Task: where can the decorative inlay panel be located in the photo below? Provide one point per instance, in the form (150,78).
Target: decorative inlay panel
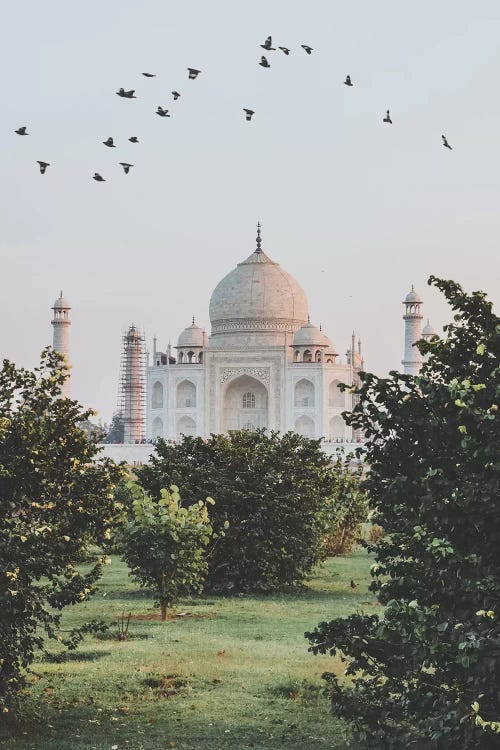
(260,373)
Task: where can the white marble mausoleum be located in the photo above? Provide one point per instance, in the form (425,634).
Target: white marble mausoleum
(264,364)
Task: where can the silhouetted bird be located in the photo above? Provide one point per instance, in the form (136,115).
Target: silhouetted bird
(149,75)
(268,44)
(21,131)
(97,177)
(348,81)
(176,95)
(162,112)
(387,117)
(445,143)
(264,62)
(126,94)
(193,73)
(126,167)
(134,139)
(285,50)
(109,142)
(248,113)
(353,585)
(307,48)
(43,166)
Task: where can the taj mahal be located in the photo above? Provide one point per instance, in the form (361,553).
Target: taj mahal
(264,364)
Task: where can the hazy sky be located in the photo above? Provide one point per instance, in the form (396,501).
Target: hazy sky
(356,210)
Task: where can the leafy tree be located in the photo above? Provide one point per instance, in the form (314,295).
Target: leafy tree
(427,673)
(116,430)
(346,509)
(164,545)
(54,498)
(269,487)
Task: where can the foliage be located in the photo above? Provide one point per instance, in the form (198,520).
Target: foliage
(346,509)
(427,674)
(376,533)
(54,499)
(269,487)
(116,430)
(164,546)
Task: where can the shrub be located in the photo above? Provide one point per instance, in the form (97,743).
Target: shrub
(269,487)
(427,673)
(55,499)
(164,545)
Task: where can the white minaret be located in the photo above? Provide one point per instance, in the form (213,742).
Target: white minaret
(412,361)
(60,343)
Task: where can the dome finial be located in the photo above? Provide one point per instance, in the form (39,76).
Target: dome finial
(193,321)
(259,241)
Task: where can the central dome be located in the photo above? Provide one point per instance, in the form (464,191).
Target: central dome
(258,301)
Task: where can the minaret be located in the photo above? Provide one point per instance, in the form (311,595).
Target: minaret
(412,361)
(60,342)
(132,389)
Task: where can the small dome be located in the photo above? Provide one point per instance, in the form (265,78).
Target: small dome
(192,336)
(310,335)
(428,330)
(61,303)
(412,297)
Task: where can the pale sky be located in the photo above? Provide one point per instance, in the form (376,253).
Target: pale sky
(356,210)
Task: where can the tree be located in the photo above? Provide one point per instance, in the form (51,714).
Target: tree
(346,509)
(271,488)
(427,673)
(116,430)
(55,497)
(164,545)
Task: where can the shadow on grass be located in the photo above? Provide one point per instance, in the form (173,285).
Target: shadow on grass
(66,656)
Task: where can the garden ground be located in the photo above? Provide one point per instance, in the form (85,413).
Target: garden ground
(225,673)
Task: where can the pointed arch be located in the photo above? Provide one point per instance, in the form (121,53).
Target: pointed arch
(304,393)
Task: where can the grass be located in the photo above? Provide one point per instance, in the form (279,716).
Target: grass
(233,673)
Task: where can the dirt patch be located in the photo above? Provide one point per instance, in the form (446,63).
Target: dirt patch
(156,616)
(166,686)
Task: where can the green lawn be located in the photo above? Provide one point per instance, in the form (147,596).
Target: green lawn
(233,673)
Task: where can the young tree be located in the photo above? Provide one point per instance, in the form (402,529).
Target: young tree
(164,545)
(54,499)
(346,510)
(271,488)
(427,673)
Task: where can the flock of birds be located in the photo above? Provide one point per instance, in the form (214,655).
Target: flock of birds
(193,73)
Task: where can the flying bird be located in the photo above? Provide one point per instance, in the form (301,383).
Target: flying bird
(285,50)
(445,143)
(149,75)
(109,142)
(264,62)
(248,114)
(43,166)
(134,139)
(97,177)
(268,44)
(21,131)
(126,167)
(348,81)
(176,95)
(126,94)
(307,48)
(193,73)
(162,112)
(387,117)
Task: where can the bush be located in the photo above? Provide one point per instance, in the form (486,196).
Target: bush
(55,499)
(164,544)
(271,489)
(427,673)
(346,510)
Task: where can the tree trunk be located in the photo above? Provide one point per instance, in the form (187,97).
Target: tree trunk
(163,611)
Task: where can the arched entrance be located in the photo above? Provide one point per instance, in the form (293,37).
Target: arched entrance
(305,426)
(244,403)
(157,428)
(186,426)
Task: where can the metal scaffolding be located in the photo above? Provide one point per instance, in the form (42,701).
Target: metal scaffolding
(132,402)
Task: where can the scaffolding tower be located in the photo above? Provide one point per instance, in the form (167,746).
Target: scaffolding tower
(132,401)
